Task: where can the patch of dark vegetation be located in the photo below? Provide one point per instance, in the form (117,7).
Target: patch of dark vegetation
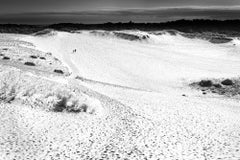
(219,40)
(63,105)
(7,92)
(122,35)
(217,85)
(1,54)
(29,64)
(80,78)
(20,28)
(5,49)
(230,28)
(130,37)
(45,32)
(6,58)
(172,32)
(216,38)
(43,58)
(227,82)
(58,71)
(145,37)
(100,33)
(34,57)
(205,83)
(7,98)
(227,87)
(56,59)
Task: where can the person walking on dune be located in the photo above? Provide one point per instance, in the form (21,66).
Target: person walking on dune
(75,50)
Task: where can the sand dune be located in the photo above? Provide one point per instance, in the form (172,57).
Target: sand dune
(140,85)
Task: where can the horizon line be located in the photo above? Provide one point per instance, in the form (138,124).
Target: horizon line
(122,22)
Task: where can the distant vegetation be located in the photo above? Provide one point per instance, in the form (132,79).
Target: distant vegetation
(229,27)
(21,29)
(130,37)
(226,87)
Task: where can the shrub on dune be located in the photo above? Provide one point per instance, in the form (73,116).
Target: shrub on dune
(65,101)
(6,58)
(29,64)
(8,87)
(58,71)
(34,57)
(7,93)
(217,85)
(227,82)
(45,95)
(45,32)
(226,87)
(43,58)
(205,83)
(61,105)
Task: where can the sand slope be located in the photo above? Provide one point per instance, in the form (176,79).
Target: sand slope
(140,85)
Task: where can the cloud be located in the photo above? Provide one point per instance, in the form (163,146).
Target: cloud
(137,15)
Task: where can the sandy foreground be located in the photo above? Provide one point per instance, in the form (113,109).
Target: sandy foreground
(140,86)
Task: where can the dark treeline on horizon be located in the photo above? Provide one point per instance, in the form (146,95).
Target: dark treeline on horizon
(198,25)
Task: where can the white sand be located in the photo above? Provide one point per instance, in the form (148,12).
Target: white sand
(158,123)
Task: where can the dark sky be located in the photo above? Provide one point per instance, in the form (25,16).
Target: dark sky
(13,6)
(95,11)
